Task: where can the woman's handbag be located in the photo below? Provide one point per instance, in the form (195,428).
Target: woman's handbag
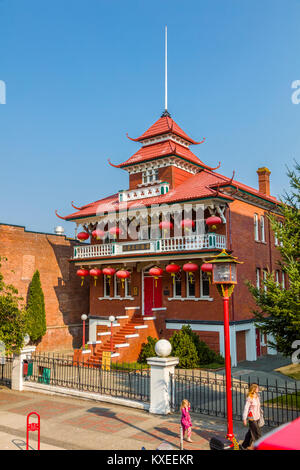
(261,421)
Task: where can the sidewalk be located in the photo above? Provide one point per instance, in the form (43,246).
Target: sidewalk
(77,424)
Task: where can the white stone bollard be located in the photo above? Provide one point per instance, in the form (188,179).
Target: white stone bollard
(17,367)
(160,378)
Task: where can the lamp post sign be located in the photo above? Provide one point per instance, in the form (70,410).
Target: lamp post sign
(224,277)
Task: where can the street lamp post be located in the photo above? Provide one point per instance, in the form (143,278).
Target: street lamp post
(111,319)
(224,277)
(83,318)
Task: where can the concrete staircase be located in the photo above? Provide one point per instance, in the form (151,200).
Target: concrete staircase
(129,332)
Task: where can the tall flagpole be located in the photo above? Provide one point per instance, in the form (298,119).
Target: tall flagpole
(166,68)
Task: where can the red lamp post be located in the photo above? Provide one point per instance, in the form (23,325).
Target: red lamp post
(83,318)
(224,276)
(111,319)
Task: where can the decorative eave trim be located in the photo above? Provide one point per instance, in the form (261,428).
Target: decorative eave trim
(92,218)
(146,257)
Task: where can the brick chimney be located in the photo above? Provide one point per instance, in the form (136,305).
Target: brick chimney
(264,180)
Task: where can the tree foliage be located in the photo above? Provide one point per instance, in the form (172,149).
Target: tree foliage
(12,317)
(205,354)
(35,311)
(147,350)
(184,348)
(279,308)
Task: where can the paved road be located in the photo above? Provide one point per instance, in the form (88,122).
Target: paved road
(78,424)
(263,370)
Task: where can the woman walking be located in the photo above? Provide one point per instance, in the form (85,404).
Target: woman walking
(252,413)
(186,422)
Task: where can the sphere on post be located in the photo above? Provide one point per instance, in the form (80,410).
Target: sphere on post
(163,348)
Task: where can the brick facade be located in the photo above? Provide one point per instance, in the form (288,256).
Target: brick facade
(65,300)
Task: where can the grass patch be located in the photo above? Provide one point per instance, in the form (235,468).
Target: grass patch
(129,366)
(291,401)
(212,366)
(292,371)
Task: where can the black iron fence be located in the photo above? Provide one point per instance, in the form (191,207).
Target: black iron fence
(119,380)
(206,391)
(6,370)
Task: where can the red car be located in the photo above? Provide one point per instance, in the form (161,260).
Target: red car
(286,437)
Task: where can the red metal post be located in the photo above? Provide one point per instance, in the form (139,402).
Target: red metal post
(230,434)
(111,337)
(33,427)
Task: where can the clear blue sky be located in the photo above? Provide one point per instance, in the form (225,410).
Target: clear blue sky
(80,74)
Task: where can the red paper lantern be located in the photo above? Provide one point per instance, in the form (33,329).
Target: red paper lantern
(109,272)
(187,224)
(213,221)
(95,273)
(173,269)
(115,231)
(165,226)
(207,267)
(82,273)
(190,268)
(82,236)
(98,233)
(156,272)
(123,274)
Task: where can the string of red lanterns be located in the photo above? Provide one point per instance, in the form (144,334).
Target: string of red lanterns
(82,236)
(95,273)
(123,274)
(156,272)
(82,272)
(190,268)
(213,221)
(173,269)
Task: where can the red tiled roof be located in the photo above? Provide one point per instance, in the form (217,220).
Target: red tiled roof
(162,149)
(164,125)
(201,185)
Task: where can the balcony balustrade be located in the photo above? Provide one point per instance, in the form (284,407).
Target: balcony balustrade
(173,244)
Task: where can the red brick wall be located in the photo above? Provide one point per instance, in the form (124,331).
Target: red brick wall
(135,179)
(65,300)
(253,254)
(173,175)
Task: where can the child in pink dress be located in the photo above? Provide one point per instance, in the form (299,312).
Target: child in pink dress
(186,422)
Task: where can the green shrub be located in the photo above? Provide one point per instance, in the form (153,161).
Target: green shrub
(205,354)
(35,310)
(184,348)
(147,350)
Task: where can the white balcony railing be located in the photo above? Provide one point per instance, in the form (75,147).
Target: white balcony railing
(190,243)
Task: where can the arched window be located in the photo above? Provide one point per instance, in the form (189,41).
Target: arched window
(256,237)
(262,229)
(177,286)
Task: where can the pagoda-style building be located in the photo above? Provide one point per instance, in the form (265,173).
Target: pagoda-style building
(142,249)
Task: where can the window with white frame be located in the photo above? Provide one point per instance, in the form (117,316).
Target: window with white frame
(258,278)
(276,238)
(262,229)
(265,278)
(190,285)
(117,286)
(277,277)
(282,280)
(150,175)
(106,286)
(128,287)
(204,284)
(177,285)
(256,234)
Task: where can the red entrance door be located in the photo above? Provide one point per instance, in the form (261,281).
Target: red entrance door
(152,294)
(258,348)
